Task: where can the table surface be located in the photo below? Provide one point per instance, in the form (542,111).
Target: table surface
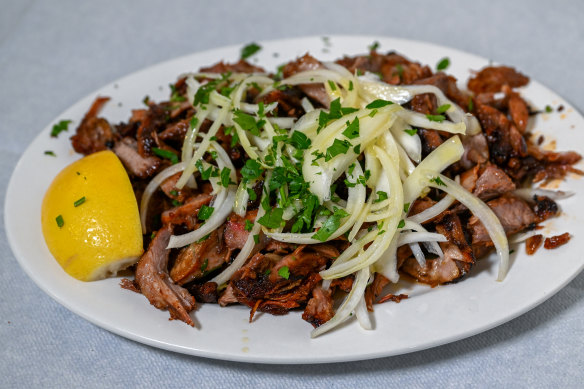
(54,53)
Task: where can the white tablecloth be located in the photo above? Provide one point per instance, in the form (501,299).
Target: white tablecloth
(52,53)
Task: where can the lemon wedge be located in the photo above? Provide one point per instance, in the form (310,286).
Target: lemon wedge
(90,218)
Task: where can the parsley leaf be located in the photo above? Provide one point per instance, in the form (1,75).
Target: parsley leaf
(79,202)
(438,181)
(374,46)
(249,50)
(225,177)
(381,195)
(338,147)
(330,225)
(166,154)
(443,64)
(251,170)
(300,140)
(58,128)
(443,108)
(411,131)
(248,122)
(401,224)
(378,104)
(284,272)
(205,212)
(248,225)
(51,153)
(60,221)
(436,118)
(406,207)
(352,130)
(272,218)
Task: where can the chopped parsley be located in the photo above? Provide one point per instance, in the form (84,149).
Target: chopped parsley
(350,86)
(251,170)
(379,103)
(248,225)
(272,218)
(401,224)
(338,147)
(381,195)
(175,97)
(60,221)
(79,202)
(549,109)
(443,64)
(352,130)
(284,272)
(330,225)
(256,238)
(438,181)
(248,122)
(470,104)
(357,149)
(252,194)
(300,141)
(166,154)
(374,46)
(443,108)
(225,177)
(411,131)
(58,128)
(205,212)
(435,118)
(406,207)
(249,50)
(332,85)
(51,153)
(204,264)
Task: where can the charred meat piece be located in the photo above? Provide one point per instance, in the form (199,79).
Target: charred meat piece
(154,282)
(457,260)
(514,214)
(169,188)
(476,150)
(137,165)
(319,308)
(533,243)
(187,213)
(199,258)
(93,134)
(544,208)
(556,241)
(205,293)
(492,79)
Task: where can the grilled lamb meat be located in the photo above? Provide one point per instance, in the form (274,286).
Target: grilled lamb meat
(319,308)
(93,134)
(154,282)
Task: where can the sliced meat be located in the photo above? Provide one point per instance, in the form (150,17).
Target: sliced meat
(514,214)
(300,263)
(228,297)
(446,84)
(519,112)
(175,132)
(154,282)
(235,233)
(492,182)
(187,213)
(457,261)
(135,164)
(169,188)
(492,79)
(289,102)
(199,258)
(316,92)
(476,150)
(319,308)
(93,134)
(469,178)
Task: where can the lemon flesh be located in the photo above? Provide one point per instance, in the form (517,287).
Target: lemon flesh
(90,218)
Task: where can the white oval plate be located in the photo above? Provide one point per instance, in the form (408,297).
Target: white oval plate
(430,317)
